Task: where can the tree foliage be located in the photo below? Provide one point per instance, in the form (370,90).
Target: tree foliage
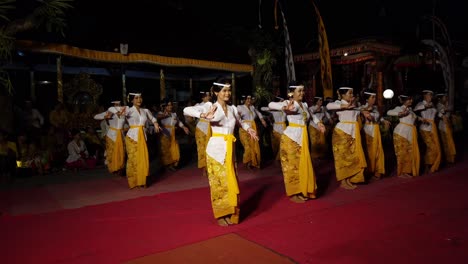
(47,13)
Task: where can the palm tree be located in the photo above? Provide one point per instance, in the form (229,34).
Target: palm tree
(48,13)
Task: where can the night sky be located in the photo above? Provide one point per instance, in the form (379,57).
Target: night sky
(221,30)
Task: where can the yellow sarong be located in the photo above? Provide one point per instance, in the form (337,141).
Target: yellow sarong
(137,160)
(276,139)
(350,160)
(448,143)
(202,140)
(251,146)
(375,153)
(433,153)
(170,154)
(408,157)
(317,143)
(301,177)
(115,153)
(224,187)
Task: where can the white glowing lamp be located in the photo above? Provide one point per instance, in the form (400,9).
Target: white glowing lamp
(388,94)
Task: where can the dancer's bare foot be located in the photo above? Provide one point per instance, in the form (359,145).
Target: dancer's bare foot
(405,176)
(296,199)
(222,222)
(228,220)
(345,184)
(302,197)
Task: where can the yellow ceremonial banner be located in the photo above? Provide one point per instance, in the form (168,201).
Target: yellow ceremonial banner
(325,61)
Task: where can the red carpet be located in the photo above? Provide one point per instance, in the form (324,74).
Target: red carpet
(225,249)
(391,221)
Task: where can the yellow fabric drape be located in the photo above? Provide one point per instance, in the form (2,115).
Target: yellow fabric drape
(350,160)
(318,143)
(305,164)
(116,159)
(448,143)
(276,139)
(233,187)
(252,151)
(375,152)
(142,158)
(415,149)
(202,141)
(173,149)
(62,49)
(435,137)
(357,135)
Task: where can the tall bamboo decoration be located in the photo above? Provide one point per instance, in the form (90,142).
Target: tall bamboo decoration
(162,84)
(325,61)
(59,80)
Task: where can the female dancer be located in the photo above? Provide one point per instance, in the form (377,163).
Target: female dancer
(375,153)
(299,176)
(248,114)
(220,152)
(317,139)
(170,153)
(135,141)
(428,131)
(405,139)
(115,152)
(445,128)
(350,161)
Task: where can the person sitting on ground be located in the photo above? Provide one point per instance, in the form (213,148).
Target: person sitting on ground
(78,156)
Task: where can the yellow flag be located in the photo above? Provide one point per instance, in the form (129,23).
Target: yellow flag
(325,62)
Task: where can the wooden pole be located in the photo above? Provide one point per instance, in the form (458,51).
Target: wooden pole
(59,80)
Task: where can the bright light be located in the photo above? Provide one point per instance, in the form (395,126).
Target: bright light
(388,94)
(345,54)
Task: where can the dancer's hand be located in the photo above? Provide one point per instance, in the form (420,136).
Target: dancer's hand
(210,114)
(186,130)
(157,128)
(252,133)
(289,108)
(321,127)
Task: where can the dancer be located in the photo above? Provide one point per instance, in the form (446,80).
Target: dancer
(445,128)
(135,141)
(405,139)
(298,173)
(375,153)
(170,152)
(350,161)
(220,152)
(428,131)
(248,114)
(317,138)
(115,151)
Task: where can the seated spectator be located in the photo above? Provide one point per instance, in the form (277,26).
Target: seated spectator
(78,156)
(8,152)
